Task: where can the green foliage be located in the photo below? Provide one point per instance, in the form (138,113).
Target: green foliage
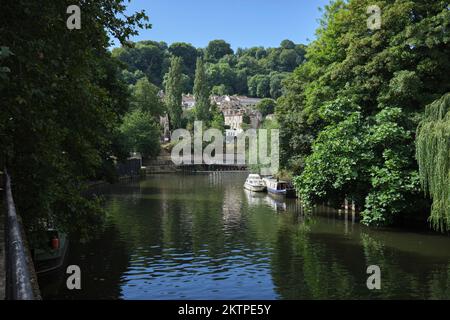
(173,92)
(348,114)
(276,83)
(365,160)
(62,98)
(266,106)
(216,50)
(201,93)
(132,77)
(287,44)
(433,155)
(221,75)
(141,133)
(149,57)
(259,86)
(228,73)
(145,98)
(221,90)
(217,119)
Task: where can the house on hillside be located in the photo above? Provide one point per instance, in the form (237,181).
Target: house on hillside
(187,101)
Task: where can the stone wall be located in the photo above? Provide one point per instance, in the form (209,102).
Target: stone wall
(2,243)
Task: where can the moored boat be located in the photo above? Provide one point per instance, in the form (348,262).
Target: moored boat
(51,256)
(254,183)
(279,187)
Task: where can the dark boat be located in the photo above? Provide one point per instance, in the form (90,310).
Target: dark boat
(279,187)
(51,257)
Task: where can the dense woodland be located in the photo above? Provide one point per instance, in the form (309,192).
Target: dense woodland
(364,115)
(62,103)
(350,113)
(257,71)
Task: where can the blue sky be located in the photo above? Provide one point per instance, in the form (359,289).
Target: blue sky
(242,23)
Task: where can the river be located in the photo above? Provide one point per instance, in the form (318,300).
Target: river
(203,237)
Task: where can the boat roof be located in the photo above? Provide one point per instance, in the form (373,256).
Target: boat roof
(275,180)
(254,176)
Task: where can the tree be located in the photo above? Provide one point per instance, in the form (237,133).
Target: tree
(288,60)
(433,155)
(276,84)
(378,81)
(188,54)
(217,118)
(147,56)
(62,99)
(227,73)
(287,44)
(201,93)
(217,49)
(132,77)
(145,98)
(141,133)
(266,106)
(173,93)
(221,74)
(259,86)
(221,90)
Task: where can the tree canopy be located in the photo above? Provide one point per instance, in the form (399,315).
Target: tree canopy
(433,155)
(348,115)
(173,93)
(228,72)
(62,99)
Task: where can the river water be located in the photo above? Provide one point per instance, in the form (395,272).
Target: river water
(203,236)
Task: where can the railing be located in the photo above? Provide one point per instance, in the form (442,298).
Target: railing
(19,267)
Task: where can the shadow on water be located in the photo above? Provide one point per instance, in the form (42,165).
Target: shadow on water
(203,237)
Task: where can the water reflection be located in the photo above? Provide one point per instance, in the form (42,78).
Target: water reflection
(204,237)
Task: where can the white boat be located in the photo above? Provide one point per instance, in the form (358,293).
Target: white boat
(254,183)
(279,187)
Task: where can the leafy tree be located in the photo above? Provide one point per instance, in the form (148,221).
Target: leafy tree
(217,119)
(201,93)
(147,56)
(377,81)
(288,60)
(132,77)
(228,73)
(249,65)
(141,133)
(259,86)
(173,93)
(62,98)
(287,44)
(266,106)
(276,84)
(145,98)
(188,54)
(221,74)
(221,90)
(217,49)
(433,155)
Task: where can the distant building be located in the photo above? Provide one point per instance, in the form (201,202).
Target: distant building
(187,101)
(233,108)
